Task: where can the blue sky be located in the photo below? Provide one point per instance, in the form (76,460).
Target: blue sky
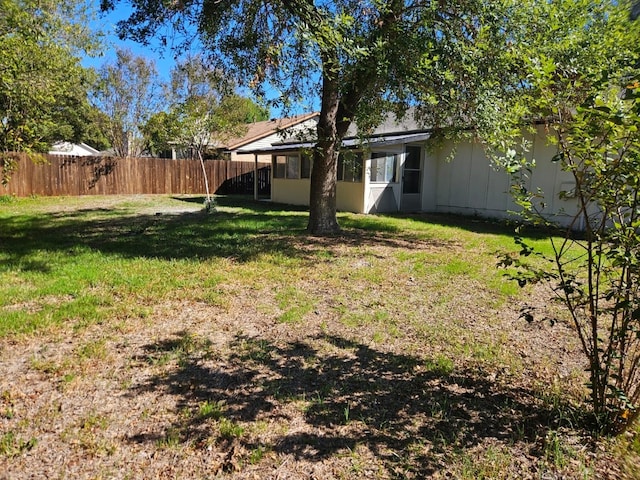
(162,56)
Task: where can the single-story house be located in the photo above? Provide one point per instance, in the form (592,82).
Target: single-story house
(73,149)
(398,169)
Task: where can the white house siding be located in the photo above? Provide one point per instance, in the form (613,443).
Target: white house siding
(552,180)
(469,184)
(261,144)
(73,149)
(429,188)
(264,142)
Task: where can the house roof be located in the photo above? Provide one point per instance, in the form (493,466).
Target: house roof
(353,142)
(390,131)
(391,125)
(76,149)
(259,130)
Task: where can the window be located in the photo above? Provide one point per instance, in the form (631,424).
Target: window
(279,166)
(383,167)
(288,166)
(305,170)
(293,166)
(350,167)
(296,166)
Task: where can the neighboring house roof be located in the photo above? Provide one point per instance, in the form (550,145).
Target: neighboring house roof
(260,130)
(74,149)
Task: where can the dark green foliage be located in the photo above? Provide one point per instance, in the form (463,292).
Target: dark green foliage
(586,85)
(358,60)
(43,87)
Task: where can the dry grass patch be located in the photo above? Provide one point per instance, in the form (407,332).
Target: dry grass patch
(234,346)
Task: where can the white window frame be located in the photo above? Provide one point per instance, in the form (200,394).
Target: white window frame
(389,172)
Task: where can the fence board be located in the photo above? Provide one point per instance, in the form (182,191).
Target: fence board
(67,175)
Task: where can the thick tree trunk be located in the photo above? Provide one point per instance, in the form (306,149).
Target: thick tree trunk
(340,96)
(322,201)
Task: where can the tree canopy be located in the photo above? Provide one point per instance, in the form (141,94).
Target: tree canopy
(202,110)
(128,92)
(205,105)
(359,58)
(43,87)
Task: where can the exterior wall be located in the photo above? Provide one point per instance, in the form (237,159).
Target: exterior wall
(350,197)
(249,157)
(469,184)
(551,179)
(264,142)
(429,187)
(302,131)
(465,183)
(290,191)
(296,192)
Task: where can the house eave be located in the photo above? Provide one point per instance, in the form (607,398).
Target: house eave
(351,142)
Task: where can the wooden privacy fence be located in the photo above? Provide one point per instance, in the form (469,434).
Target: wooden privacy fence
(65,175)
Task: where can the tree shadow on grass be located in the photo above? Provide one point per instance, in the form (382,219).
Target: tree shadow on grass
(409,413)
(244,236)
(187,235)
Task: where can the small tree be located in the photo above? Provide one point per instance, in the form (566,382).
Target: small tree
(596,272)
(204,111)
(586,85)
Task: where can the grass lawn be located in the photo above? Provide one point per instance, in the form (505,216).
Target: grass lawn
(143,338)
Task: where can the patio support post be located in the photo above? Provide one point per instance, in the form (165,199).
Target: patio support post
(255,176)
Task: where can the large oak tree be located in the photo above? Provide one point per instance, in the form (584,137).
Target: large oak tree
(357,56)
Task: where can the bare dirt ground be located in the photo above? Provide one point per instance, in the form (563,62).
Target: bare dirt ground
(201,391)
